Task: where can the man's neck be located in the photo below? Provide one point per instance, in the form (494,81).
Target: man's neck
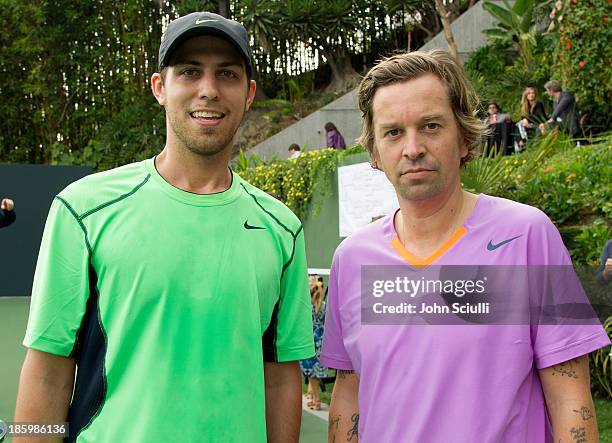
(424,226)
(194,173)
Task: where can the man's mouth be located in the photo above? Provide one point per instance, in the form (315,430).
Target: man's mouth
(207,115)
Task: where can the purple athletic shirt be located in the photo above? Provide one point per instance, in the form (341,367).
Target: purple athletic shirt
(451,383)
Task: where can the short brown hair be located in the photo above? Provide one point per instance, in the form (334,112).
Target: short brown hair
(409,66)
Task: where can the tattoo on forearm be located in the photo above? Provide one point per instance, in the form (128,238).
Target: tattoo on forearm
(343,373)
(565,369)
(579,435)
(354,431)
(585,413)
(332,427)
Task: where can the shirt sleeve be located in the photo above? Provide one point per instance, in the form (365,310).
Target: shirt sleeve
(333,353)
(291,337)
(563,340)
(61,283)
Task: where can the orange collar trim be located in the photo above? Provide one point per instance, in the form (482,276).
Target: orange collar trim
(423,262)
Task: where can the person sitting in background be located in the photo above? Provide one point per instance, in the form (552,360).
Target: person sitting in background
(565,114)
(7,214)
(604,273)
(532,114)
(495,114)
(312,368)
(294,151)
(334,138)
(499,131)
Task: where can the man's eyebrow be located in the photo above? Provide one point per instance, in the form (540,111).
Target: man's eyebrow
(387,125)
(430,117)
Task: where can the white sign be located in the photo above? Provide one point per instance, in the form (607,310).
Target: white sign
(364,195)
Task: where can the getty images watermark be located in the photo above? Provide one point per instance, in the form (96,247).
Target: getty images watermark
(445,295)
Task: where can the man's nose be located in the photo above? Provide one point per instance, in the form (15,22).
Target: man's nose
(208,87)
(414,145)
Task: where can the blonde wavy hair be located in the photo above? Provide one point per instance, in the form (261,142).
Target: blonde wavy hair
(527,107)
(410,65)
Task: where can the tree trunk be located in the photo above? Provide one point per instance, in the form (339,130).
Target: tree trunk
(223,8)
(343,77)
(448,32)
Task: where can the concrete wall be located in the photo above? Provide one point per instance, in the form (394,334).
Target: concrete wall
(310,130)
(467,30)
(343,112)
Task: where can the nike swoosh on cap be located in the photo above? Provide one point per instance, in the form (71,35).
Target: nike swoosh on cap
(199,22)
(492,247)
(247,226)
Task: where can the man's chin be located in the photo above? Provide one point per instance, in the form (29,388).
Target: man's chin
(419,191)
(209,151)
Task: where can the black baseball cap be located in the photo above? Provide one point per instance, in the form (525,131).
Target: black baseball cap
(204,23)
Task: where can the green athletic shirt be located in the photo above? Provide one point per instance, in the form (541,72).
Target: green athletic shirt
(170,302)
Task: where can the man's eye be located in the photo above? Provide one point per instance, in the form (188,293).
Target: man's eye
(189,72)
(228,74)
(432,126)
(392,133)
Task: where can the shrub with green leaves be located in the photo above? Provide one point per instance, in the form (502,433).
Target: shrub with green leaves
(293,181)
(572,185)
(582,54)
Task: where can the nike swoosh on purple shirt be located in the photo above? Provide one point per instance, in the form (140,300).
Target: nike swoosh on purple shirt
(492,247)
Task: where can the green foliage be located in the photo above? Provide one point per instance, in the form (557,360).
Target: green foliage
(293,181)
(135,133)
(581,57)
(515,25)
(586,246)
(601,367)
(569,184)
(482,174)
(243,162)
(67,69)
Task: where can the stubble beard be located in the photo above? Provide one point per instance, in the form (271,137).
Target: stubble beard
(203,141)
(419,189)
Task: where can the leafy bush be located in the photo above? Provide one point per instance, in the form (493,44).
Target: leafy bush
(581,57)
(293,181)
(586,246)
(571,185)
(135,133)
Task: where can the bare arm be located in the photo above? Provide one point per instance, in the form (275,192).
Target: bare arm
(283,401)
(45,390)
(344,409)
(568,398)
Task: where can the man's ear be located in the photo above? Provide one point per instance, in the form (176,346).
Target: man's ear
(375,158)
(251,95)
(157,87)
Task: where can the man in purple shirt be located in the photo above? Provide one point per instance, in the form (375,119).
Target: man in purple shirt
(433,379)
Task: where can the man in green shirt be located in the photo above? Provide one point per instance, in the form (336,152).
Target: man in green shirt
(177,290)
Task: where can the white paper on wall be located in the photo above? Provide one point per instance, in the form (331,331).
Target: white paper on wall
(364,195)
